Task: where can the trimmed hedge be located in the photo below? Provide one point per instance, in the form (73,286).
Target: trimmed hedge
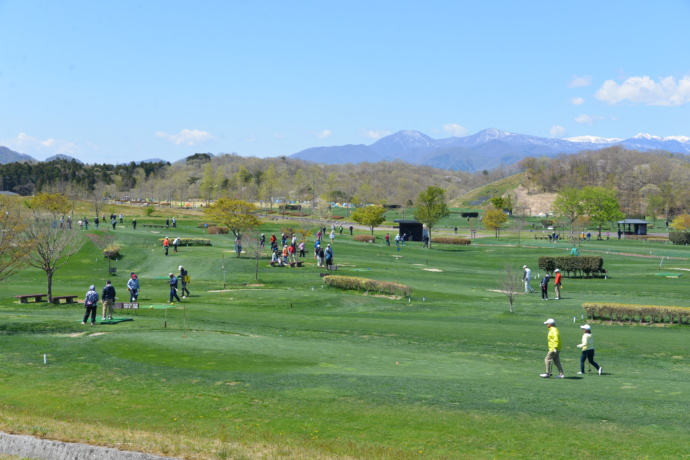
(679,237)
(576,265)
(191,241)
(638,313)
(337,217)
(451,240)
(218,230)
(365,238)
(365,284)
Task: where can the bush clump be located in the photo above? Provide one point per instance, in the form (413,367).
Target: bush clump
(218,230)
(679,237)
(365,284)
(111,251)
(639,313)
(337,217)
(575,265)
(365,238)
(451,240)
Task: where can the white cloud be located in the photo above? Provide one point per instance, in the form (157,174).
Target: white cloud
(587,119)
(580,81)
(374,134)
(324,134)
(25,143)
(278,136)
(186,136)
(557,131)
(454,129)
(643,90)
(577,101)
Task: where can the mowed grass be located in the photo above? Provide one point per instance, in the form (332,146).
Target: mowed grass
(285,367)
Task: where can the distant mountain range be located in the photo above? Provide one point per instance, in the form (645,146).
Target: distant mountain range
(486,149)
(10,156)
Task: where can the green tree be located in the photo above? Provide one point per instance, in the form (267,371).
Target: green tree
(494,219)
(431,207)
(371,216)
(601,205)
(237,215)
(568,205)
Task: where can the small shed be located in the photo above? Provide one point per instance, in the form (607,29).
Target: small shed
(633,226)
(413,229)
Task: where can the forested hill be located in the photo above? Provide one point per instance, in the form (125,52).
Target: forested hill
(645,183)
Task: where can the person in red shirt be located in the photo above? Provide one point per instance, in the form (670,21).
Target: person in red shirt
(558,284)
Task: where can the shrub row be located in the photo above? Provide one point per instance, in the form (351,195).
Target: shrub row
(365,284)
(337,217)
(679,237)
(112,252)
(218,230)
(576,265)
(191,241)
(365,238)
(640,313)
(451,240)
(655,238)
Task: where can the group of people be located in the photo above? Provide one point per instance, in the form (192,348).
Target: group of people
(544,283)
(108,295)
(553,356)
(166,244)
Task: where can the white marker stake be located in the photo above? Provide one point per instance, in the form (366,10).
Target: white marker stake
(45,360)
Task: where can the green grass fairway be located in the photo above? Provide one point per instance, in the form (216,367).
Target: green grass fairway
(286,367)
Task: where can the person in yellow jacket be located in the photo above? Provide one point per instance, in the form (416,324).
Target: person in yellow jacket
(587,346)
(553,356)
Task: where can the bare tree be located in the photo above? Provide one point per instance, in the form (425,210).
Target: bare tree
(52,246)
(13,247)
(510,284)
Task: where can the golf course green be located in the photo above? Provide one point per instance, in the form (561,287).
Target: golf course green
(284,366)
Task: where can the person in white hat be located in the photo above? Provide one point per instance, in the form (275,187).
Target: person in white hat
(553,356)
(558,283)
(527,277)
(587,346)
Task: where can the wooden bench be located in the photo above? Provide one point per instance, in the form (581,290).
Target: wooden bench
(154,226)
(276,264)
(296,263)
(66,298)
(25,298)
(332,267)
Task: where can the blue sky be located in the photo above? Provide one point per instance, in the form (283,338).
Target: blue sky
(131,80)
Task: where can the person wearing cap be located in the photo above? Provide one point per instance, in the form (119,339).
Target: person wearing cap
(173,288)
(329,256)
(108,297)
(545,287)
(133,287)
(91,304)
(587,346)
(184,279)
(553,356)
(558,283)
(527,277)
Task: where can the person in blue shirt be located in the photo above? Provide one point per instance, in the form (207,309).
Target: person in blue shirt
(173,288)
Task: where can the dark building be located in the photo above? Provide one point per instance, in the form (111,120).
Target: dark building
(414,229)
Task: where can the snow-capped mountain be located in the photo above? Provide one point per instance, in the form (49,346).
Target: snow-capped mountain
(486,149)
